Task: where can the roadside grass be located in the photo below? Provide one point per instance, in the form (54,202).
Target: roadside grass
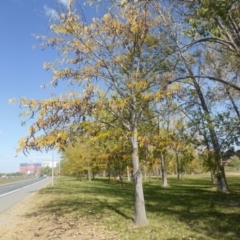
(192,209)
(15,179)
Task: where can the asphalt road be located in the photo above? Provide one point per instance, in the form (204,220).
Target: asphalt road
(12,193)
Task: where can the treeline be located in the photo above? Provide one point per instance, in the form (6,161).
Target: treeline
(108,154)
(13,174)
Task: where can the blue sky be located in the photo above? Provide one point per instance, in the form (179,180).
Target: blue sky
(21,71)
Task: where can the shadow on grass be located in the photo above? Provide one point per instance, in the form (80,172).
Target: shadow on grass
(86,199)
(191,202)
(194,203)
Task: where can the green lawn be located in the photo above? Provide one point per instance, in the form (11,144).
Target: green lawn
(192,209)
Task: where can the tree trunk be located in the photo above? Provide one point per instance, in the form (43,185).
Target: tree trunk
(160,172)
(89,173)
(145,174)
(222,179)
(164,173)
(128,175)
(140,213)
(121,180)
(79,176)
(182,172)
(109,175)
(213,177)
(178,167)
(157,171)
(182,176)
(149,176)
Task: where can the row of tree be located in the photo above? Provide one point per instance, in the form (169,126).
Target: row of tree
(108,153)
(159,82)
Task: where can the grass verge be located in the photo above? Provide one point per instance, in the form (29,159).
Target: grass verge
(187,210)
(15,179)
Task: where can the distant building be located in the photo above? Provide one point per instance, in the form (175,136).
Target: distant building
(30,168)
(49,164)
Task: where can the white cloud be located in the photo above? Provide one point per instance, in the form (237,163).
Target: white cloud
(64,2)
(51,13)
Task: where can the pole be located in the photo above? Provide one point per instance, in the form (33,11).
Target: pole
(52,168)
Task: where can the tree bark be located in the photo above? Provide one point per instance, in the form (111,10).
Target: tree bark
(157,172)
(221,180)
(89,173)
(145,174)
(213,177)
(121,179)
(140,218)
(79,176)
(164,173)
(149,176)
(128,175)
(182,176)
(182,172)
(178,167)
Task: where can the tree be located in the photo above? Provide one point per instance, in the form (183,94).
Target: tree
(235,161)
(118,51)
(210,21)
(46,171)
(197,88)
(77,159)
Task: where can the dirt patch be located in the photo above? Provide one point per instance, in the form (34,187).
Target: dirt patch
(27,221)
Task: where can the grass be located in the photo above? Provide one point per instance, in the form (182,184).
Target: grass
(187,210)
(231,169)
(15,179)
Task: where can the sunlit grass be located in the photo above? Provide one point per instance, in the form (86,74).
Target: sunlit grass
(186,210)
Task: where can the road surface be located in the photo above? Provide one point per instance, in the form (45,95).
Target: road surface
(12,193)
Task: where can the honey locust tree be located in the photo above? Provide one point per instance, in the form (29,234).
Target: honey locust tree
(73,163)
(118,53)
(235,161)
(158,141)
(161,142)
(162,135)
(113,146)
(213,21)
(80,158)
(84,154)
(181,146)
(214,24)
(224,67)
(199,93)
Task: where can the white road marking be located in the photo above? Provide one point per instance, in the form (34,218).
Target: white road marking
(5,194)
